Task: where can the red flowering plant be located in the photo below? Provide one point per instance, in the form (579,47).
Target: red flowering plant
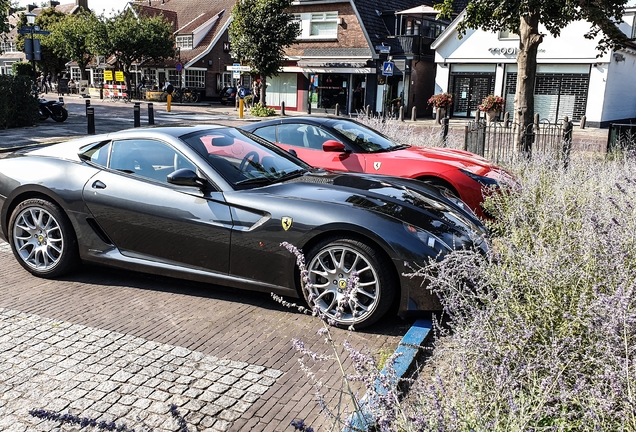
(492,103)
(441,100)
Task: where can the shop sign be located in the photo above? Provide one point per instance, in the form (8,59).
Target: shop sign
(504,51)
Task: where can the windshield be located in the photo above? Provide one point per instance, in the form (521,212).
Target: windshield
(244,160)
(367,139)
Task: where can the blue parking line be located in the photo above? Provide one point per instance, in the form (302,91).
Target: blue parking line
(407,350)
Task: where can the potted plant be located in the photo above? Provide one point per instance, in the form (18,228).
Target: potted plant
(441,102)
(492,105)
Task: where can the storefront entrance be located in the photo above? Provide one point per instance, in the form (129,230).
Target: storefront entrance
(469,90)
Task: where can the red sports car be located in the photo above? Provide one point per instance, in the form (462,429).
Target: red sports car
(343,144)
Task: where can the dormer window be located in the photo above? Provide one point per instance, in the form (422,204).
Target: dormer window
(184,42)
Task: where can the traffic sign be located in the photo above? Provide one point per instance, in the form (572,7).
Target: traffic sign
(387,68)
(179,67)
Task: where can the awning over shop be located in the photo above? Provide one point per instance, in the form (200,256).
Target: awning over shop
(418,10)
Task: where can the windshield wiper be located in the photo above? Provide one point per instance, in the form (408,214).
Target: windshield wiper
(292,174)
(398,147)
(255,181)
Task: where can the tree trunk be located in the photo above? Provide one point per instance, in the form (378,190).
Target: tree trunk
(263,87)
(529,40)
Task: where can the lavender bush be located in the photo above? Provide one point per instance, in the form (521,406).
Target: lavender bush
(543,332)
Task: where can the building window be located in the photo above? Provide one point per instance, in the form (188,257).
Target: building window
(317,25)
(324,24)
(508,34)
(98,76)
(195,78)
(75,74)
(7,46)
(174,77)
(184,42)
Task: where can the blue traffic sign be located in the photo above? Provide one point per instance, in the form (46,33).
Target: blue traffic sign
(387,68)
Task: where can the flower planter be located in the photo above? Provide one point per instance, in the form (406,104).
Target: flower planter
(492,116)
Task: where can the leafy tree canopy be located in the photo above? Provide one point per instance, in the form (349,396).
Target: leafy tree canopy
(74,37)
(4,9)
(260,31)
(604,15)
(130,38)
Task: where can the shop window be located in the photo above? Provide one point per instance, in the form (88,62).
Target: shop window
(194,78)
(184,42)
(98,76)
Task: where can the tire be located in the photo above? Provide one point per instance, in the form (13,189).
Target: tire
(59,114)
(329,269)
(444,188)
(42,238)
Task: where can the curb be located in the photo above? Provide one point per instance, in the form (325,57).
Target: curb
(408,349)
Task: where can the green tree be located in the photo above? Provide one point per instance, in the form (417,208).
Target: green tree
(133,39)
(73,37)
(524,17)
(260,31)
(5,5)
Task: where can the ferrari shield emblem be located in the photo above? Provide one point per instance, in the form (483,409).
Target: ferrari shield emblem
(286,222)
(377,165)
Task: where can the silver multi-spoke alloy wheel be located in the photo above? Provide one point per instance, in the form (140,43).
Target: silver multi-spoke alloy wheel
(42,238)
(330,271)
(38,239)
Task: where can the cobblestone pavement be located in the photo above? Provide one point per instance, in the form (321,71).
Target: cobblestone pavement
(109,376)
(122,346)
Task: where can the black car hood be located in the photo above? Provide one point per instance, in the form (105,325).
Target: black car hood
(409,201)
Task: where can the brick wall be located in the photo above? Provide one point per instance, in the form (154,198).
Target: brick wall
(350,34)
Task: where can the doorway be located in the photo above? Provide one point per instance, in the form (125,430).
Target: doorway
(468,91)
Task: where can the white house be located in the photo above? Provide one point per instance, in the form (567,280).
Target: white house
(573,78)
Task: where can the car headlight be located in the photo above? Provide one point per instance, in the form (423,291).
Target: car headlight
(427,238)
(484,181)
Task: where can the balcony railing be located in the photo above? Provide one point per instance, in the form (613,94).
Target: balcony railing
(414,45)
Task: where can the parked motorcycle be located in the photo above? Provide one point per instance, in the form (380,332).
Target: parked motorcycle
(53,109)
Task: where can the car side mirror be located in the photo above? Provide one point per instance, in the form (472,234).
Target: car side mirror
(333,146)
(185,177)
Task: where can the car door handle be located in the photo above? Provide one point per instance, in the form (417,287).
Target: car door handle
(98,184)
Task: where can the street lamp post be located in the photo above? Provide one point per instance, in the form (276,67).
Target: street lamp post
(30,16)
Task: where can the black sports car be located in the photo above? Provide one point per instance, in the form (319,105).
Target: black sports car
(214,204)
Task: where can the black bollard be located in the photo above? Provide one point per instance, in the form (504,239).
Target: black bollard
(337,110)
(282,108)
(88,103)
(401,113)
(137,115)
(445,122)
(151,114)
(90,116)
(414,114)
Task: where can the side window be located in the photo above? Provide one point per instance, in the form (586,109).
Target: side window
(291,134)
(267,132)
(98,154)
(147,158)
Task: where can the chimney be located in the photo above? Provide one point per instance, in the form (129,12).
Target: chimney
(82,3)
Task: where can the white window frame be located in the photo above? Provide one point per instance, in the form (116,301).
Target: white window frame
(508,35)
(185,42)
(195,78)
(318,25)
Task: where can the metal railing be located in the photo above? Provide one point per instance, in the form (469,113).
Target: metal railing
(504,141)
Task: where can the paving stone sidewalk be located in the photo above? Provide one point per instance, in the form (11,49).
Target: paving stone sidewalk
(108,376)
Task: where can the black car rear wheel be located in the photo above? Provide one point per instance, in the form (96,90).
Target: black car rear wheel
(42,238)
(331,265)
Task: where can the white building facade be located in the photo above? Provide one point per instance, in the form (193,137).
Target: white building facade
(573,78)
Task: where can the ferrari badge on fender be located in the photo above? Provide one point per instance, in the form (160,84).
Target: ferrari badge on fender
(377,165)
(286,222)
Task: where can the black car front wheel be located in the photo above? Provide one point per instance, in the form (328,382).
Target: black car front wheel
(333,266)
(42,238)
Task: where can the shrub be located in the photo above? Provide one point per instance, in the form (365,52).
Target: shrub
(22,68)
(18,107)
(262,111)
(542,332)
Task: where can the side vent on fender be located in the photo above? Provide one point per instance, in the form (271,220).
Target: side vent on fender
(99,231)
